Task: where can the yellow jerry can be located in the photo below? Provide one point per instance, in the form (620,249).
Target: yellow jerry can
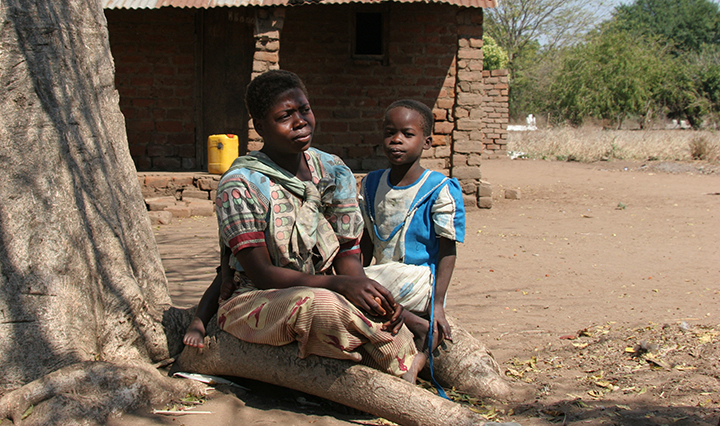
(222,151)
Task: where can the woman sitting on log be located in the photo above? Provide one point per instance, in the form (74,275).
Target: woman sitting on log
(290,218)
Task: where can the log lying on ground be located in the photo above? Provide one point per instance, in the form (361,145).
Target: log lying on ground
(344,382)
(469,367)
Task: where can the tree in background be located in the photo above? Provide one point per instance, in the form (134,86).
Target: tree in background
(693,88)
(613,75)
(515,24)
(652,58)
(494,56)
(688,23)
(530,82)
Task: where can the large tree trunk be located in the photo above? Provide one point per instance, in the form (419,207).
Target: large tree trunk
(80,275)
(345,382)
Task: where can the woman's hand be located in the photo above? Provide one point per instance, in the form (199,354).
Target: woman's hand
(366,294)
(374,299)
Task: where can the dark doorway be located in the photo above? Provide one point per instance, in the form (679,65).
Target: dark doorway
(227,55)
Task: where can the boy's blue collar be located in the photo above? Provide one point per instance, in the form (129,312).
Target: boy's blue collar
(387,176)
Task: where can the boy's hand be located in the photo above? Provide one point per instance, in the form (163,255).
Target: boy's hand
(396,320)
(441,326)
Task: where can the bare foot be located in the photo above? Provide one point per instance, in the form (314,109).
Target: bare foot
(417,365)
(195,334)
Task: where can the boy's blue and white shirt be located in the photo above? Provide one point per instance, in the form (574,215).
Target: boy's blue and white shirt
(405,223)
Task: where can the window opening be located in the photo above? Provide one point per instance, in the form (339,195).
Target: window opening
(369,34)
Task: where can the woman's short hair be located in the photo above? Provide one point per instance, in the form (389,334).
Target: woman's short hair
(263,90)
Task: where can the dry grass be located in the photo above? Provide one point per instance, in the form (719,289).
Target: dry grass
(594,144)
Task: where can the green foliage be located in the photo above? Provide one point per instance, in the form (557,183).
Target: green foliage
(706,65)
(516,23)
(692,86)
(613,75)
(652,58)
(494,56)
(688,23)
(530,82)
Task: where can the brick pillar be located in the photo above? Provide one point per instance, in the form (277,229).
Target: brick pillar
(469,132)
(268,26)
(438,157)
(495,105)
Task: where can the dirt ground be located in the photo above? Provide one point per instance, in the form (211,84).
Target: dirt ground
(597,292)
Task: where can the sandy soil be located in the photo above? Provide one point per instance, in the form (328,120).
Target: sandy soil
(597,291)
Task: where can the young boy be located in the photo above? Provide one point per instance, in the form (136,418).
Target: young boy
(288,218)
(413,218)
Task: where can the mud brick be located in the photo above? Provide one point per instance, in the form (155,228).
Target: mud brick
(207,184)
(468,187)
(157,181)
(485,202)
(444,127)
(160,217)
(470,201)
(195,194)
(182,181)
(484,189)
(512,194)
(466,172)
(179,211)
(159,203)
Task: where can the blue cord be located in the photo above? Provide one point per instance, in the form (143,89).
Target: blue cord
(439,388)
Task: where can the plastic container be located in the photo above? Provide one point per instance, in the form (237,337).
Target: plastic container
(222,151)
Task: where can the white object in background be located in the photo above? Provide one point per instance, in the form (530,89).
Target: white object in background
(530,125)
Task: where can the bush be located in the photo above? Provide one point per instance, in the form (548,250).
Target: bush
(494,56)
(701,149)
(613,75)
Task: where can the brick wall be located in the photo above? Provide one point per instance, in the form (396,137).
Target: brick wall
(495,107)
(154,52)
(349,95)
(434,56)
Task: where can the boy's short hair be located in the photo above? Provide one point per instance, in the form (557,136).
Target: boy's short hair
(264,89)
(425,112)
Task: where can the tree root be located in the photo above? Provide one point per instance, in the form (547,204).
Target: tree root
(344,382)
(89,392)
(469,367)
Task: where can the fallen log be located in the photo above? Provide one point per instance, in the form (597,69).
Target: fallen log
(344,382)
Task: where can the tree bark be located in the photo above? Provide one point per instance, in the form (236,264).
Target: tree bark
(345,382)
(469,367)
(80,274)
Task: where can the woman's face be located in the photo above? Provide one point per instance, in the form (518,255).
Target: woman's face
(288,126)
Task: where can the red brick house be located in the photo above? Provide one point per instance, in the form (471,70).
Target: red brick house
(182,66)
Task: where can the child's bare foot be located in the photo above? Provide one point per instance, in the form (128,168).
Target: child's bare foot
(417,365)
(195,334)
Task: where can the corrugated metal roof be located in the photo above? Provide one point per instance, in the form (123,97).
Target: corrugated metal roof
(204,4)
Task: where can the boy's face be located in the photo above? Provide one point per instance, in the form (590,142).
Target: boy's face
(403,138)
(289,124)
